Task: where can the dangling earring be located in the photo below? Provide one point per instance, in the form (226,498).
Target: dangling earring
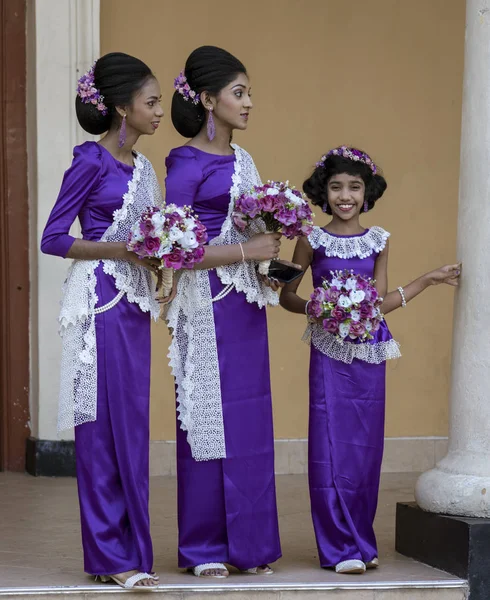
(211,129)
(324,207)
(366,206)
(122,133)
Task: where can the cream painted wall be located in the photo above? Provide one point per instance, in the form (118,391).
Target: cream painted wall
(384,75)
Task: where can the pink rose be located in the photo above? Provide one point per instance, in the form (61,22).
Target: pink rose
(151,245)
(146,227)
(249,206)
(175,259)
(338,314)
(240,220)
(315,309)
(357,329)
(331,326)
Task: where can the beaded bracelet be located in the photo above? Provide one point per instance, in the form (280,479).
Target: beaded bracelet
(402,294)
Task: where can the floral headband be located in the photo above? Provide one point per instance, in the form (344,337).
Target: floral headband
(89,93)
(184,89)
(351,154)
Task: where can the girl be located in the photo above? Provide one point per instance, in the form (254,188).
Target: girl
(105,316)
(347,383)
(219,353)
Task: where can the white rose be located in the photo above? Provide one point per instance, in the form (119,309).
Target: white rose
(368,326)
(344,329)
(158,220)
(336,283)
(355,315)
(345,302)
(137,236)
(190,224)
(357,296)
(292,197)
(165,248)
(351,284)
(175,234)
(272,192)
(189,241)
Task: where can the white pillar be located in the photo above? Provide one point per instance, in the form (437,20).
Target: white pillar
(460,483)
(63,43)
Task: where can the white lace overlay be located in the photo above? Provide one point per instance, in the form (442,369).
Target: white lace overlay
(346,352)
(362,246)
(78,381)
(193,354)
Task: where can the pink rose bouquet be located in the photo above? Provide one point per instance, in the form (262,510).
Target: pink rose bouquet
(348,305)
(282,208)
(172,234)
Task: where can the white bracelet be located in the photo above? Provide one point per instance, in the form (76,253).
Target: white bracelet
(306,307)
(243,253)
(402,294)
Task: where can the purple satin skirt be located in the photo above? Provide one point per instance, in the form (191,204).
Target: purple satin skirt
(227,507)
(112,453)
(345,450)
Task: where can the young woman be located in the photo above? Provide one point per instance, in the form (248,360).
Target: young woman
(105,317)
(219,353)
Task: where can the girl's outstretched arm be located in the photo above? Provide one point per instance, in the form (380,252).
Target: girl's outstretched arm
(448,274)
(303,255)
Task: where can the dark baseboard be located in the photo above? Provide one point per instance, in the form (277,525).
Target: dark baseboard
(458,545)
(50,458)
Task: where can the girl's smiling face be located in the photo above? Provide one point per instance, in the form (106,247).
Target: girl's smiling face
(345,195)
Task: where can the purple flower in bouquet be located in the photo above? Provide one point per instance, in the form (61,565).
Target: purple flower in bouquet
(348,305)
(172,234)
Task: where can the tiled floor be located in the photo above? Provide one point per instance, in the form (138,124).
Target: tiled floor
(40,541)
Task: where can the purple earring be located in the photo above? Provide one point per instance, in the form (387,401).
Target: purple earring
(122,133)
(211,129)
(324,207)
(366,206)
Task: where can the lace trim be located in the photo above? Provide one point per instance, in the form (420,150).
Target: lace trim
(78,381)
(362,246)
(346,352)
(193,353)
(243,276)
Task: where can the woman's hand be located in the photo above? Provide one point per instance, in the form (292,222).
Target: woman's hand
(448,274)
(173,292)
(152,264)
(271,282)
(263,246)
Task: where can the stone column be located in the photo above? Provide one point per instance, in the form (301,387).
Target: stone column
(460,483)
(63,41)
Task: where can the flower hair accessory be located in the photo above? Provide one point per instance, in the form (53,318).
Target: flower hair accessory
(351,154)
(88,93)
(184,89)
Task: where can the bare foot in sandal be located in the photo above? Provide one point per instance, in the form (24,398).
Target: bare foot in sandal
(217,570)
(262,570)
(131,579)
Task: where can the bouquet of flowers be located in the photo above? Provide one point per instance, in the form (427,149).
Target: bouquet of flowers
(349,306)
(172,234)
(280,206)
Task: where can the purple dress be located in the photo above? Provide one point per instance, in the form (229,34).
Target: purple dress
(227,507)
(112,452)
(346,434)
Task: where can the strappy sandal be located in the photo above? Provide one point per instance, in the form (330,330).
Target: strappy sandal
(262,570)
(130,583)
(199,570)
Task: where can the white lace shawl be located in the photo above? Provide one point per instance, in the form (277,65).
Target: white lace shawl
(361,246)
(78,381)
(193,351)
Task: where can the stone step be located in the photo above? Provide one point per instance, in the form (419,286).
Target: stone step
(447,589)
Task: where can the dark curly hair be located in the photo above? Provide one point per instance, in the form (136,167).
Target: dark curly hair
(316,186)
(208,69)
(118,77)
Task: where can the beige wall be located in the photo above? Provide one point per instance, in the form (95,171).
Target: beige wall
(384,75)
